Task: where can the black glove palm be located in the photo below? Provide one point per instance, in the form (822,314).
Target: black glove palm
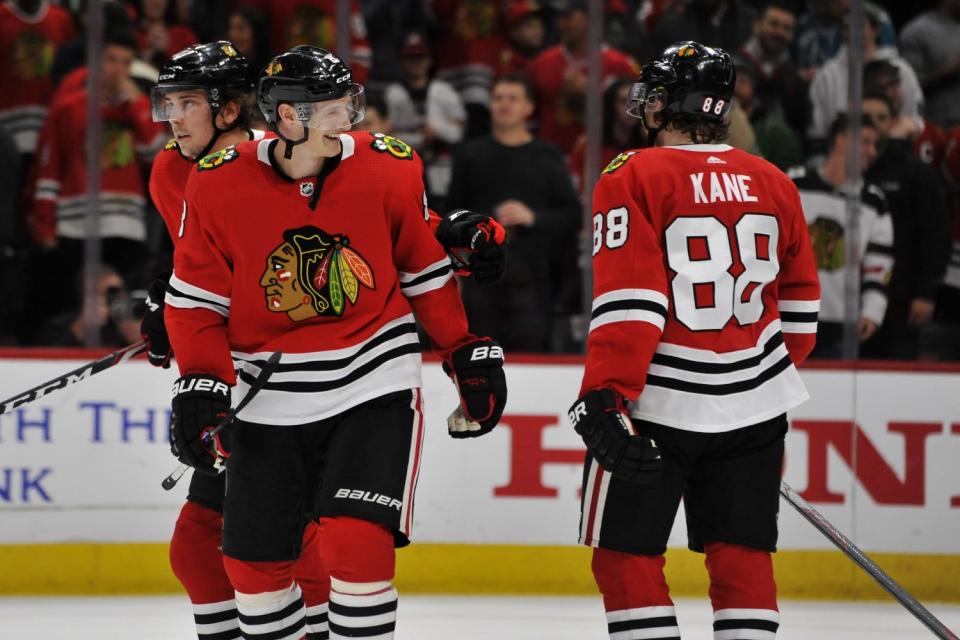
(152,327)
(475,243)
(600,420)
(477,370)
(199,403)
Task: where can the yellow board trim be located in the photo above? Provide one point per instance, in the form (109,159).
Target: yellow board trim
(108,569)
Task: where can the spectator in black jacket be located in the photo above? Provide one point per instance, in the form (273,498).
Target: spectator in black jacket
(921,236)
(524,183)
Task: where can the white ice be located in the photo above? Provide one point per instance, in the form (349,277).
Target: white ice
(458,618)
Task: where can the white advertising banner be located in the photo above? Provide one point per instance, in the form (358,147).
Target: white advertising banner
(875,451)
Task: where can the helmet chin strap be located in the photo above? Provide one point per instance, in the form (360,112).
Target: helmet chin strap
(289,144)
(217,132)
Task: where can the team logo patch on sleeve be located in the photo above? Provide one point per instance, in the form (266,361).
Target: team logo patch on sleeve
(394,146)
(218,159)
(619,161)
(313,273)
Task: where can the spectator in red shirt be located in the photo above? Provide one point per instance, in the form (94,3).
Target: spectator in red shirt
(559,75)
(314,23)
(526,34)
(158,33)
(621,131)
(30,32)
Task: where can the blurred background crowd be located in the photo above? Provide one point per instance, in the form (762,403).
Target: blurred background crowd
(492,94)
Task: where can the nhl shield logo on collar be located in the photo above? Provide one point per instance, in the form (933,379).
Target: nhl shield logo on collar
(306,189)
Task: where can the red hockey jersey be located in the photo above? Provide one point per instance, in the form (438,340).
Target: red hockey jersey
(258,269)
(168,183)
(314,22)
(29,43)
(704,286)
(60,200)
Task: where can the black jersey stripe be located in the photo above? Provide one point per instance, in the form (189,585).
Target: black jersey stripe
(799,316)
(229,634)
(883,249)
(362,612)
(746,623)
(308,386)
(871,285)
(176,293)
(273,616)
(286,632)
(642,623)
(340,363)
(721,389)
(621,305)
(430,275)
(362,632)
(213,618)
(695,366)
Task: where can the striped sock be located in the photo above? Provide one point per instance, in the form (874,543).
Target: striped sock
(745,624)
(643,623)
(317,626)
(217,620)
(365,615)
(279,615)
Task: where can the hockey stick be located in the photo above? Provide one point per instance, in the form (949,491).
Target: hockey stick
(843,543)
(265,372)
(72,377)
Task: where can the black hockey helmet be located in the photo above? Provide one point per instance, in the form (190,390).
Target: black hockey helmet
(213,67)
(305,77)
(687,78)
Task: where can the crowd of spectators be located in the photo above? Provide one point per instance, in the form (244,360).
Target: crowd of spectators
(492,94)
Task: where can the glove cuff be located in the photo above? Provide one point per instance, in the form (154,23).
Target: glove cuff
(201,385)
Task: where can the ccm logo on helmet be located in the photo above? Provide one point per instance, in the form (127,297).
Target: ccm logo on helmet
(482,353)
(202,384)
(368,496)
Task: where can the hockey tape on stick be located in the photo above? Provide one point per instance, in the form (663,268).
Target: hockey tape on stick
(72,377)
(853,552)
(265,372)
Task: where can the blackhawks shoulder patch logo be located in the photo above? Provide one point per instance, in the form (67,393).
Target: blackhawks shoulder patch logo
(314,273)
(394,146)
(172,144)
(619,161)
(218,159)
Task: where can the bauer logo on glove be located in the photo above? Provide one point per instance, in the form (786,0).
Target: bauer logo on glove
(477,371)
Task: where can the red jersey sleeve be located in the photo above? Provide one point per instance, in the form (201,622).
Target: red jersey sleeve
(799,286)
(49,173)
(629,287)
(424,268)
(198,295)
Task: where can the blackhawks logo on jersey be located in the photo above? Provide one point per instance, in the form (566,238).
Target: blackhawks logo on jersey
(394,146)
(218,159)
(827,238)
(619,161)
(313,273)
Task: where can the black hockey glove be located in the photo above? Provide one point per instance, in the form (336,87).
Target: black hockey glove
(600,419)
(199,403)
(477,370)
(476,244)
(152,328)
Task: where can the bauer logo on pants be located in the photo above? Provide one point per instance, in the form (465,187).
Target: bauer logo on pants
(368,496)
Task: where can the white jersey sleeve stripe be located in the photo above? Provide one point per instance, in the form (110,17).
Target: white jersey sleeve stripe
(631,294)
(801,306)
(185,288)
(433,277)
(628,315)
(629,305)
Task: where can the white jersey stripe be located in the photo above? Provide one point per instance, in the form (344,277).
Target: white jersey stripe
(628,315)
(804,306)
(198,292)
(631,294)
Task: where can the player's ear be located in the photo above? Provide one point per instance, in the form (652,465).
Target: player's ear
(228,114)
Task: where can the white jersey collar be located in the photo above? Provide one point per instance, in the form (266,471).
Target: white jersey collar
(709,148)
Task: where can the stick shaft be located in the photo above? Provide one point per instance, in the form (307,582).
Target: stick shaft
(72,377)
(853,552)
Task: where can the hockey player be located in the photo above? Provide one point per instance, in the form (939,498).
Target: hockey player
(316,244)
(205,93)
(705,297)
